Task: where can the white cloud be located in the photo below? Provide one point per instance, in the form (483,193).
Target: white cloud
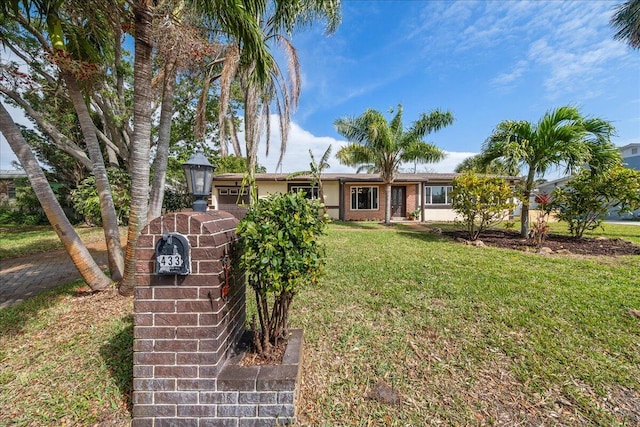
(301,141)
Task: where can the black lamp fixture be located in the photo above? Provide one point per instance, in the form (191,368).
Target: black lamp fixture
(199,174)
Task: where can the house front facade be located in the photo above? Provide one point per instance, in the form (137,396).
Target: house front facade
(349,197)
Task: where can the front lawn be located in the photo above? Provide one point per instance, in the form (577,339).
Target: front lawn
(464,335)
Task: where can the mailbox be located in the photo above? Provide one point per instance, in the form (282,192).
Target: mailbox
(173,255)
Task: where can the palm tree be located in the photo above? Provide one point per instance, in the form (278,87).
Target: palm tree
(235,18)
(373,141)
(279,88)
(82,259)
(315,172)
(496,167)
(562,137)
(626,20)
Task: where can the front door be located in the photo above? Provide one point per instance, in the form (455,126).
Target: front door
(398,196)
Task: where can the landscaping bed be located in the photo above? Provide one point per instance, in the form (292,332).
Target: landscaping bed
(510,239)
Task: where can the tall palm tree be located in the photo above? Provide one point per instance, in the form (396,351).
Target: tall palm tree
(562,137)
(82,259)
(280,89)
(626,20)
(386,145)
(77,57)
(236,18)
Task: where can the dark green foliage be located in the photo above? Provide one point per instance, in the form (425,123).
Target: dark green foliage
(280,254)
(176,199)
(87,203)
(587,198)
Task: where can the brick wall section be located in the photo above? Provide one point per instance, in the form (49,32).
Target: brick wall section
(183,328)
(184,372)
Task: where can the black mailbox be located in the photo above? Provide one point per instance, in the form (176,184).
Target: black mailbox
(173,255)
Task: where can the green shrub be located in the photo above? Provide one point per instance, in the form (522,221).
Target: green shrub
(87,203)
(482,201)
(587,198)
(279,254)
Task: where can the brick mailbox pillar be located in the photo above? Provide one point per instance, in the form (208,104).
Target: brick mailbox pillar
(185,325)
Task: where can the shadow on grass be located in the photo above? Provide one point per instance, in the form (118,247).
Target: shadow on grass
(117,353)
(15,318)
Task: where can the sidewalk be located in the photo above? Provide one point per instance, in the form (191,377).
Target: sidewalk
(24,277)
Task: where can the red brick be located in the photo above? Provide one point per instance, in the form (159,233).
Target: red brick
(154,306)
(154,410)
(182,224)
(209,344)
(145,241)
(196,384)
(180,319)
(162,280)
(151,332)
(195,332)
(176,397)
(143,319)
(140,293)
(210,319)
(197,411)
(142,280)
(199,306)
(176,345)
(142,345)
(144,267)
(175,293)
(154,384)
(206,241)
(197,358)
(154,358)
(176,372)
(140,371)
(208,267)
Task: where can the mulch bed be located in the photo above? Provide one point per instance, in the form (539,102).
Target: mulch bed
(510,239)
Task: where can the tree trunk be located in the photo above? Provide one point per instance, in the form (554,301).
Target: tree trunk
(142,98)
(387,204)
(162,152)
(86,265)
(107,207)
(526,195)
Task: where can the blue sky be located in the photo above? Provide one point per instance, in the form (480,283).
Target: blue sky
(485,61)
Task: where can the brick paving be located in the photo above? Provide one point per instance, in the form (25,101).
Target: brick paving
(24,277)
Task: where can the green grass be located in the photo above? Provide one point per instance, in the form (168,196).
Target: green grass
(466,336)
(19,241)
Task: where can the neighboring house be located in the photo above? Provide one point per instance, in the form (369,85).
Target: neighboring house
(630,158)
(631,155)
(8,184)
(349,197)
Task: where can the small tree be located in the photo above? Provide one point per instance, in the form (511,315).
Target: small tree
(482,201)
(279,253)
(587,198)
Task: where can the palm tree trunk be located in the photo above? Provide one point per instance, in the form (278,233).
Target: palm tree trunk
(86,265)
(387,204)
(526,195)
(107,207)
(162,152)
(142,98)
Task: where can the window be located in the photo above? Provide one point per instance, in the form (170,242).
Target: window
(634,151)
(364,198)
(310,192)
(437,195)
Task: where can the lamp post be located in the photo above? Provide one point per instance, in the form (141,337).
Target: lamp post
(199,174)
